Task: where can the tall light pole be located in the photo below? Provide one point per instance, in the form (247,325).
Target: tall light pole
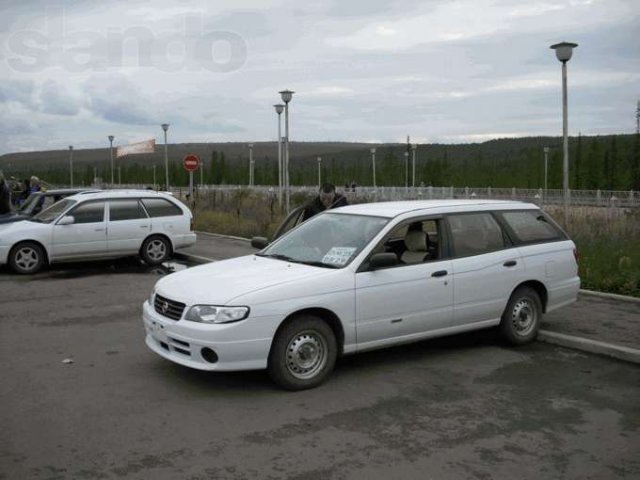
(546,163)
(414,147)
(564,50)
(71,165)
(154,177)
(111,137)
(373,165)
(251,180)
(286,96)
(406,170)
(319,172)
(279,108)
(119,176)
(165,127)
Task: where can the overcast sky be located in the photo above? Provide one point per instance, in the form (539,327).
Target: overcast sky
(371,70)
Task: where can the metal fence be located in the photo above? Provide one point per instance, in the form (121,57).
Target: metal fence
(597,198)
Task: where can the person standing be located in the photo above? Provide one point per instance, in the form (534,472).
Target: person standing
(5,196)
(326,199)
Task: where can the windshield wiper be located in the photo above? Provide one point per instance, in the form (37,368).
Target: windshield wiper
(318,264)
(277,256)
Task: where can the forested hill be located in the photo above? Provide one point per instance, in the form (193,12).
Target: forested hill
(609,162)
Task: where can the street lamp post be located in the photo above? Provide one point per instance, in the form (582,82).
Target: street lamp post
(71,165)
(373,165)
(279,108)
(546,163)
(119,176)
(406,170)
(165,127)
(286,96)
(111,137)
(251,179)
(154,178)
(414,148)
(319,172)
(564,50)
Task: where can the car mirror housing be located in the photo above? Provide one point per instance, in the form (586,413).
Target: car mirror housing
(259,242)
(67,220)
(383,260)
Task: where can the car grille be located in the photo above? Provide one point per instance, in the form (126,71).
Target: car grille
(168,308)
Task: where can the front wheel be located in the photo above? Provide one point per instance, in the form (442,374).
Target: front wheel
(303,354)
(26,258)
(521,319)
(155,250)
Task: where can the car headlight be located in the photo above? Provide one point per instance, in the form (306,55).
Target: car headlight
(152,296)
(216,314)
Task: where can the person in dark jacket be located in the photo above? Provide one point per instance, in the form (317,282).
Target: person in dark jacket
(327,199)
(5,196)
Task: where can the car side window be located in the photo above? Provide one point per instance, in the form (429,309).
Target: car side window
(89,212)
(161,207)
(531,226)
(475,234)
(126,209)
(414,242)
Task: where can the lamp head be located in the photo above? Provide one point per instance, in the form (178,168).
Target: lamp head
(373,150)
(564,50)
(111,137)
(286,95)
(165,126)
(279,108)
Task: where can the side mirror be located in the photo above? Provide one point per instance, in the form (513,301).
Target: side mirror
(67,220)
(383,260)
(259,242)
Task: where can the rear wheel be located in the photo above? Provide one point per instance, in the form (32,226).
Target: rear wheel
(26,258)
(155,250)
(521,319)
(303,354)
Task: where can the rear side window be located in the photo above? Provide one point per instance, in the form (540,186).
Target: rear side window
(531,226)
(129,209)
(475,234)
(160,207)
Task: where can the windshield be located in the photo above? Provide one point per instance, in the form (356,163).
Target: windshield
(330,240)
(53,212)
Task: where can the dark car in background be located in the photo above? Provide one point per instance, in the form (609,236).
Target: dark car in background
(38,201)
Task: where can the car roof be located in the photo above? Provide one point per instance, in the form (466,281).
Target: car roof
(63,191)
(393,209)
(106,194)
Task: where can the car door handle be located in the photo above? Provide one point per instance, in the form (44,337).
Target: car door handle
(144,226)
(439,273)
(510,263)
(99,229)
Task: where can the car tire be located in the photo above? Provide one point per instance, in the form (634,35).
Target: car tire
(155,250)
(303,354)
(522,316)
(26,258)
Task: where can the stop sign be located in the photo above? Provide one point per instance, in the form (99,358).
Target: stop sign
(191,162)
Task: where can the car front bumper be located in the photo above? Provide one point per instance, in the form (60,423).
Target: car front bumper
(241,345)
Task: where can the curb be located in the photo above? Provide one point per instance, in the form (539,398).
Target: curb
(193,258)
(590,346)
(611,296)
(220,235)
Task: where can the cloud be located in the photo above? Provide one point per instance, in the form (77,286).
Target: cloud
(56,101)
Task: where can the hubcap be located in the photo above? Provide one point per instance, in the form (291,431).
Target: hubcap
(523,317)
(156,250)
(26,258)
(306,355)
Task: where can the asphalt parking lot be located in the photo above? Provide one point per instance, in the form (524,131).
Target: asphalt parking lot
(83,398)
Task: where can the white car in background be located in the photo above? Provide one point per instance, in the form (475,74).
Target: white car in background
(99,225)
(363,277)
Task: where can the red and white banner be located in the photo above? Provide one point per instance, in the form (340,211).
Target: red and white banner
(148,146)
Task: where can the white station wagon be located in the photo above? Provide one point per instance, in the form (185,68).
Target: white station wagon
(364,277)
(96,225)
